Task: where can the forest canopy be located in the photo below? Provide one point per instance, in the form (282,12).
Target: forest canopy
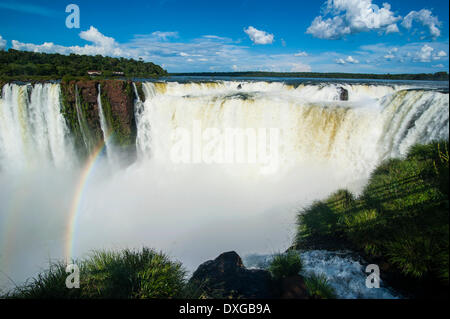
(14,63)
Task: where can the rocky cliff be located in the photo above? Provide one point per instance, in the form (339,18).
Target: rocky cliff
(80,100)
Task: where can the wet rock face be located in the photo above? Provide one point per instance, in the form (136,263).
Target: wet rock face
(226,277)
(117,98)
(343,95)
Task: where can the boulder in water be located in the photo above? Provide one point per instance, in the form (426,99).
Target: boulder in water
(343,94)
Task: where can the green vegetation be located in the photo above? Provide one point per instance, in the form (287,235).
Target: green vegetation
(285,265)
(401,218)
(439,76)
(22,66)
(319,288)
(106,274)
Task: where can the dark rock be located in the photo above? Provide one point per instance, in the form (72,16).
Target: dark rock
(239,87)
(226,277)
(294,288)
(343,95)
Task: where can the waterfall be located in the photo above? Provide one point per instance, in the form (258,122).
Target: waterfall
(105,129)
(376,123)
(33,131)
(143,139)
(324,144)
(84,128)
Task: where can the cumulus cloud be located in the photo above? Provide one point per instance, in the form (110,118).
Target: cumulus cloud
(206,52)
(2,43)
(301,53)
(349,59)
(344,17)
(94,36)
(424,55)
(428,53)
(259,36)
(424,17)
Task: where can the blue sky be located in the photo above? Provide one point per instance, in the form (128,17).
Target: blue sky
(394,36)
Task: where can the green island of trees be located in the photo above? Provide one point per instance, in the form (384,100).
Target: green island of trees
(22,66)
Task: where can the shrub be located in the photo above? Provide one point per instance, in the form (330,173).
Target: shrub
(108,274)
(285,265)
(319,288)
(50,284)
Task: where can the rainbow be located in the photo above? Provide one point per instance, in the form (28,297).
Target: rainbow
(70,229)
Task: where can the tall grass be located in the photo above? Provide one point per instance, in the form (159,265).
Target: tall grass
(319,288)
(401,216)
(109,274)
(285,265)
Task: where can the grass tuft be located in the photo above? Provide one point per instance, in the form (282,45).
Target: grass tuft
(109,274)
(319,288)
(285,265)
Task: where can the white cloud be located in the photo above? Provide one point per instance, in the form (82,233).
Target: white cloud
(2,43)
(393,28)
(258,36)
(424,55)
(350,59)
(301,53)
(94,36)
(438,66)
(344,17)
(424,17)
(391,54)
(165,35)
(442,54)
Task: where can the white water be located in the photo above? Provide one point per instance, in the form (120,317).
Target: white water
(32,129)
(317,130)
(195,212)
(344,273)
(110,149)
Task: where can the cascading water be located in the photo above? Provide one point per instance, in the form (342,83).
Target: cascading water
(82,123)
(378,122)
(195,212)
(110,152)
(33,131)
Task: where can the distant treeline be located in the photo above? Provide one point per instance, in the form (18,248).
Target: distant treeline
(439,76)
(21,64)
